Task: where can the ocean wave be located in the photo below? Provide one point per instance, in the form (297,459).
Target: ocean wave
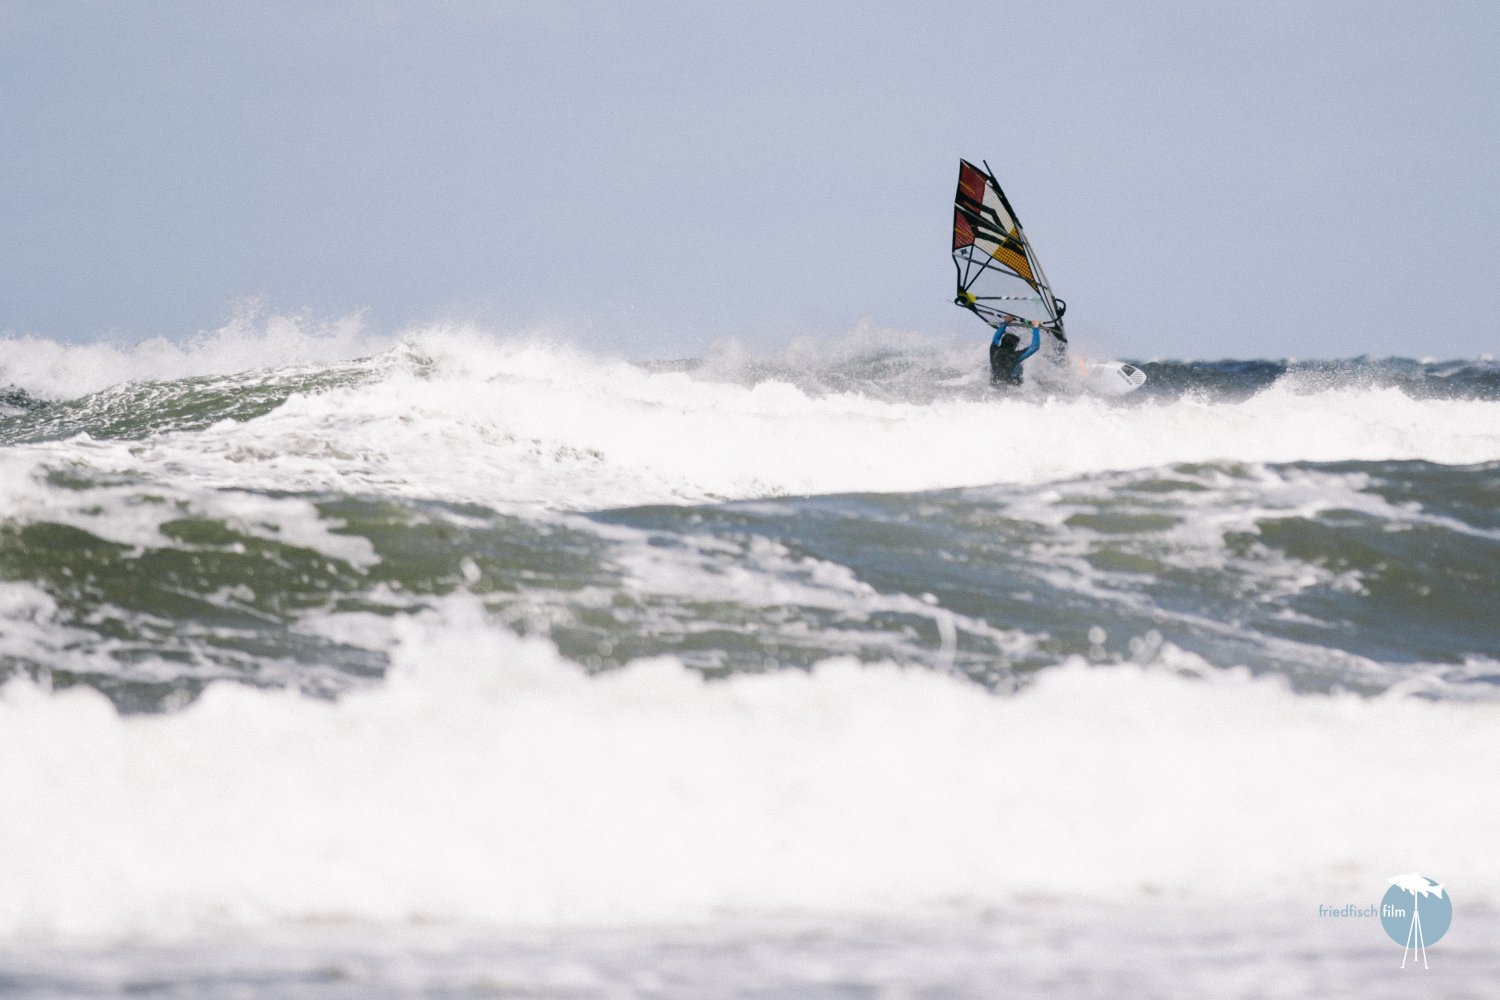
(489,780)
(456,415)
(1360,576)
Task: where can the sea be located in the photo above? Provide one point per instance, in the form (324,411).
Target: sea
(460,663)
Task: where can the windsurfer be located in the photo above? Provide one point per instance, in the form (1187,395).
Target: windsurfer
(1005,359)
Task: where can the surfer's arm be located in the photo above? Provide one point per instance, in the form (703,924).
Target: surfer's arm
(1036,342)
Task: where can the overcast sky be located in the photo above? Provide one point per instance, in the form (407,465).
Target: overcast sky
(1200,179)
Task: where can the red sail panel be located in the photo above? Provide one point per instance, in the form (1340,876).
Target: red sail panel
(963,230)
(971,183)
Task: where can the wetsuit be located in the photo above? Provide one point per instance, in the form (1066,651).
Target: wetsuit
(1005,360)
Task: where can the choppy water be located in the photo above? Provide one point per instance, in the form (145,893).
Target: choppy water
(480,639)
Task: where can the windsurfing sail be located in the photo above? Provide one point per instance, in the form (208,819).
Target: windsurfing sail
(999,278)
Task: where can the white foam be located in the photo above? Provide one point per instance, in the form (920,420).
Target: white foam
(491,781)
(57,370)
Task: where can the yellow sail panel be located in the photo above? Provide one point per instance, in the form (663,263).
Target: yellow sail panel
(1013,256)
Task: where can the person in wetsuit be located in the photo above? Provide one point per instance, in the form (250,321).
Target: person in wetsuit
(1006,359)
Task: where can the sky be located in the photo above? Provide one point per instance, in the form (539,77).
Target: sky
(1313,179)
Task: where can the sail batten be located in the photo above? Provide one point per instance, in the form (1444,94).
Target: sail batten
(999,278)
